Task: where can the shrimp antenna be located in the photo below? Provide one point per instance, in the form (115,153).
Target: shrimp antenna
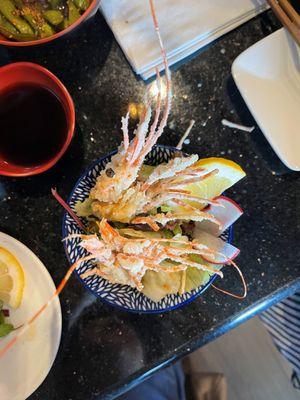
(237,296)
(167,71)
(163,51)
(152,139)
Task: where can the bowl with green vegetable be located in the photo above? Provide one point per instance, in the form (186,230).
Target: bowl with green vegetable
(34,22)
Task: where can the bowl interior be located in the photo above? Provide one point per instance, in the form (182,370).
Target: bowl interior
(121,296)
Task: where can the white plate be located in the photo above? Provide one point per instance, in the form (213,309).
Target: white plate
(25,366)
(268,77)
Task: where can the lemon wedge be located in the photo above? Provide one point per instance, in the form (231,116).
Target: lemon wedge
(12,279)
(228,174)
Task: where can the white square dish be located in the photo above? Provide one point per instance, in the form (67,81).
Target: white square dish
(268,77)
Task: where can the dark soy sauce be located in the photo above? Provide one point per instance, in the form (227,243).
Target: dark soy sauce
(33,125)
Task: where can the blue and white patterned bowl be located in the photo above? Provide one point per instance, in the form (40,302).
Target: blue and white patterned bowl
(121,296)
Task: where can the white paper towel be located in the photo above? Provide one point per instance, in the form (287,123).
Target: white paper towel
(185,26)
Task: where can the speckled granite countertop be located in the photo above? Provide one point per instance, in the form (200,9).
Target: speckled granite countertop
(104,351)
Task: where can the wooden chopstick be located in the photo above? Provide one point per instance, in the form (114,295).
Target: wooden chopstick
(291,12)
(288,16)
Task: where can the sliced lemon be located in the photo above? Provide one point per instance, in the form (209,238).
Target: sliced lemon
(228,174)
(12,279)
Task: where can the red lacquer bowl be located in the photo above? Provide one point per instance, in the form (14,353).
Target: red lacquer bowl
(84,17)
(24,72)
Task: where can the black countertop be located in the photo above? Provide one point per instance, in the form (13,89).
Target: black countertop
(104,351)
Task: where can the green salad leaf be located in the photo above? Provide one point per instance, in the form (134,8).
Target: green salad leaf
(2,319)
(158,284)
(177,230)
(145,171)
(166,209)
(195,278)
(84,208)
(133,233)
(5,329)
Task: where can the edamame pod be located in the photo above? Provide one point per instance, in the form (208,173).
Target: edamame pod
(19,37)
(73,16)
(55,17)
(6,25)
(82,4)
(8,9)
(33,15)
(56,3)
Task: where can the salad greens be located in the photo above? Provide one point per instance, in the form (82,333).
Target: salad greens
(159,284)
(5,328)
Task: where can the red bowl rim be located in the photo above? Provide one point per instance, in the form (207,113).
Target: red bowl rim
(71,121)
(11,43)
